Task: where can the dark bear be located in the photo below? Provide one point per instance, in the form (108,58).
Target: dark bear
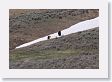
(59,33)
(48,37)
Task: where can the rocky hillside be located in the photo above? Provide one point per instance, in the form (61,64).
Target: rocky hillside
(27,25)
(75,51)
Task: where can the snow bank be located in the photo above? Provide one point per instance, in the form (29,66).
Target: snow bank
(85,25)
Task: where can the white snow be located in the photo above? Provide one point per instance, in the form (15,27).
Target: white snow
(85,25)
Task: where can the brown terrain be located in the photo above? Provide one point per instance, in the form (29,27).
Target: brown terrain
(74,51)
(26,25)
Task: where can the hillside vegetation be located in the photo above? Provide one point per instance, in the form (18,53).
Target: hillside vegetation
(75,51)
(29,24)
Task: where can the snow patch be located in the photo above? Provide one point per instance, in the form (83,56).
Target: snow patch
(85,25)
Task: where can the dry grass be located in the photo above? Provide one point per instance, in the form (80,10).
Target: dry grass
(75,51)
(33,24)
